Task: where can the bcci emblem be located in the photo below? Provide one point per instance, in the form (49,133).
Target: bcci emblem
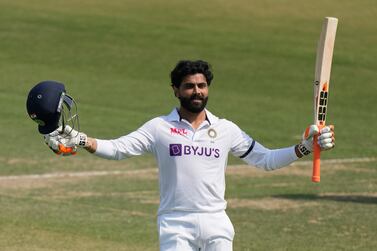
(212,134)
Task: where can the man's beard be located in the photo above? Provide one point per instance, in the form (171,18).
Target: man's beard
(193,107)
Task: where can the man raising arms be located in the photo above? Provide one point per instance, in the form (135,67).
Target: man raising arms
(191,146)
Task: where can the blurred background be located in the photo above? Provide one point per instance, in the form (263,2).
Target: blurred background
(115,57)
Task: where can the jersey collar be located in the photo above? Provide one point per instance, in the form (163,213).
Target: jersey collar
(174,116)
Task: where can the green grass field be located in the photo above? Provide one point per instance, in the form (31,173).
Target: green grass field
(115,58)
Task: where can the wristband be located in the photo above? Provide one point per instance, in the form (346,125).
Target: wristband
(83,140)
(302,149)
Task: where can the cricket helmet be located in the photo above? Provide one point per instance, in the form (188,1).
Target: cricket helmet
(50,106)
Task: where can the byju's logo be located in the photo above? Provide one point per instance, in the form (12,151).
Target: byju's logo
(175,149)
(179,150)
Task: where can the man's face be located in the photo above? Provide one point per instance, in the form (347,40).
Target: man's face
(193,93)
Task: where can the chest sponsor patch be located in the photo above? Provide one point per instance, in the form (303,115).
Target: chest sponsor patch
(178,131)
(184,150)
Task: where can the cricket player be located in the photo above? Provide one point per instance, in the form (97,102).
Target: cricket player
(191,146)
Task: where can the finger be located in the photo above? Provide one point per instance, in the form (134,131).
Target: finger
(56,132)
(325,135)
(311,131)
(66,142)
(55,151)
(327,146)
(61,140)
(53,134)
(326,129)
(325,141)
(67,129)
(53,144)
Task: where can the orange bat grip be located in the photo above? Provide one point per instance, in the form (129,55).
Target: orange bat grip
(316,177)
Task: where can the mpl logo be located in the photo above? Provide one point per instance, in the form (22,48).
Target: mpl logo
(179,150)
(178,131)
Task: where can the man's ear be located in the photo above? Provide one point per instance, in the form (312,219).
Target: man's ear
(175,89)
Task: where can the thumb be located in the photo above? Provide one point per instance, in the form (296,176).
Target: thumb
(67,129)
(310,131)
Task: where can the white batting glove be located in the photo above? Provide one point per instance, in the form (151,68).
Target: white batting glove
(326,140)
(66,141)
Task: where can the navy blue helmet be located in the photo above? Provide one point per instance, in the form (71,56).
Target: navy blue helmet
(49,105)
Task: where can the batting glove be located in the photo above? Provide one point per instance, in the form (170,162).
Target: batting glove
(326,139)
(65,142)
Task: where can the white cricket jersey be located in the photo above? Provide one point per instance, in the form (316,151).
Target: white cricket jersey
(191,162)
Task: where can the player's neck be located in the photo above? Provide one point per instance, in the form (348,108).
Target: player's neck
(195,119)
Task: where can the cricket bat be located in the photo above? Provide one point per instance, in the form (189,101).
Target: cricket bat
(321,84)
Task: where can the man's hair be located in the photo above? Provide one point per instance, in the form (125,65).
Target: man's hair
(188,67)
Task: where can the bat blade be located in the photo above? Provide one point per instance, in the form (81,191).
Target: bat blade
(323,64)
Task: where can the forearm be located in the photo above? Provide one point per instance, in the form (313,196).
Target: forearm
(117,149)
(268,160)
(107,149)
(279,158)
(102,148)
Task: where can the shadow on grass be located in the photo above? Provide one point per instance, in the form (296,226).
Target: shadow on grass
(363,199)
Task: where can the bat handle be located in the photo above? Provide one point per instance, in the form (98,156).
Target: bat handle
(316,177)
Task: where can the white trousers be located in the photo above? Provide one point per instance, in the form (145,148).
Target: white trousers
(186,231)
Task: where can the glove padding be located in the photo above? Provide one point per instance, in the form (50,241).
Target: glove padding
(326,139)
(65,142)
